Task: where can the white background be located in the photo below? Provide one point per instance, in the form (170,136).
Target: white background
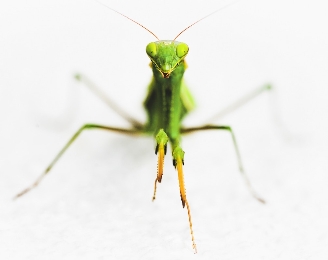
(96,202)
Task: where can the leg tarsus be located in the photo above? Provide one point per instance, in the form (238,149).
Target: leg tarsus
(191,230)
(155,188)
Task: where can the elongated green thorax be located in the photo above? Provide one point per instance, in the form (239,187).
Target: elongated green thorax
(164,104)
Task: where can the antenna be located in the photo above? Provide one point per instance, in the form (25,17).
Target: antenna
(129,19)
(185,29)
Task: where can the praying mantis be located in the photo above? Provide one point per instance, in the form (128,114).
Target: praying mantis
(167,102)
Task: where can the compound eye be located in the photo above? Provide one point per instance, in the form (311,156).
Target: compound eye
(182,50)
(151,49)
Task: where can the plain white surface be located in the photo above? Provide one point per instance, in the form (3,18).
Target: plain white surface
(96,203)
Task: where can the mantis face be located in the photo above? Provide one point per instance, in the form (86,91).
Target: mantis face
(167,55)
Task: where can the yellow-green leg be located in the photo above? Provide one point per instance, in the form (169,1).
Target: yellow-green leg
(241,168)
(68,144)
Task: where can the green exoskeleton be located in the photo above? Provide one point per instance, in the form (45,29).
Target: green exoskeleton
(168,101)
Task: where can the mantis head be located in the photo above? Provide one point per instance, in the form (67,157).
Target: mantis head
(166,55)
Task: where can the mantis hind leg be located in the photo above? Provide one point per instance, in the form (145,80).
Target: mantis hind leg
(68,144)
(97,91)
(241,102)
(241,168)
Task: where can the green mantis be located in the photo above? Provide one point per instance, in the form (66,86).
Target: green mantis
(168,101)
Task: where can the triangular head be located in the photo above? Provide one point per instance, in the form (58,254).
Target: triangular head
(167,55)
